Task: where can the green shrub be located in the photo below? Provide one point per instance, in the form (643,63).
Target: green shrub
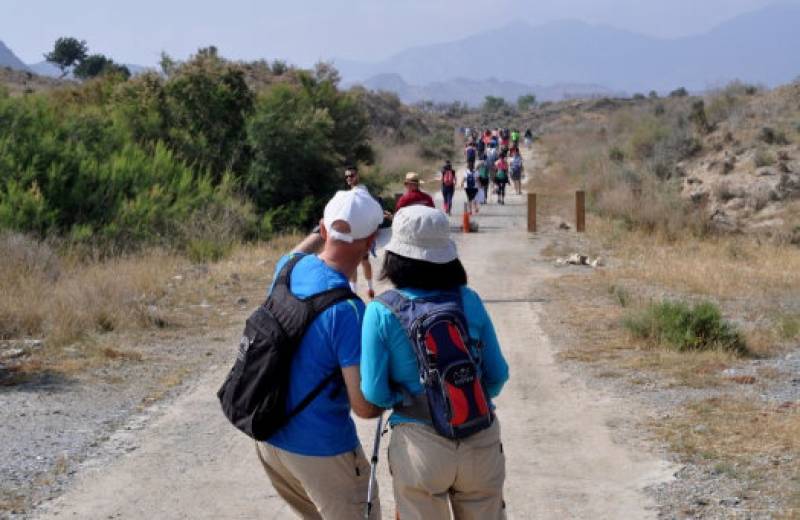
(616,154)
(769,135)
(682,327)
(763,158)
(789,326)
(204,250)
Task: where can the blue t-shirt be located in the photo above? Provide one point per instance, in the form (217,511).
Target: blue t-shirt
(333,341)
(388,362)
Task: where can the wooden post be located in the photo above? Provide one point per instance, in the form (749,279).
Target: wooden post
(531,213)
(465,218)
(580,211)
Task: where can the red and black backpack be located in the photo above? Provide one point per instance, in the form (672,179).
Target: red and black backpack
(455,399)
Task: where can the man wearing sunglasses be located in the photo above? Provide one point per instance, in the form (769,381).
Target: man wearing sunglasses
(352,180)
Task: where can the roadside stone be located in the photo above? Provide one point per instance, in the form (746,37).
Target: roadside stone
(730,501)
(13,353)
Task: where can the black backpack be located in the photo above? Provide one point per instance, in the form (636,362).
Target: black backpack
(253,396)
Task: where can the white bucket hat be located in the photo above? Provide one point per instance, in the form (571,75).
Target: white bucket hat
(422,233)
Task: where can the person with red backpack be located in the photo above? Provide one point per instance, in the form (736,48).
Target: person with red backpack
(448,186)
(501,178)
(430,352)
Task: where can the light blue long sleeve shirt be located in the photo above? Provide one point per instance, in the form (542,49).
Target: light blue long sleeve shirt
(388,365)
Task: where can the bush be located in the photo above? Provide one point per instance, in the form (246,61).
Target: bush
(763,158)
(769,135)
(685,328)
(616,154)
(679,92)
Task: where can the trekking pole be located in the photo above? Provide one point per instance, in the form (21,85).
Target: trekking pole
(373,470)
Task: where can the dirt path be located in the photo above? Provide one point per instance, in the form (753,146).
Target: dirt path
(185,461)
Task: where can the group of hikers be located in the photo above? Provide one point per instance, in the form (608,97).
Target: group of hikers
(426,349)
(494,160)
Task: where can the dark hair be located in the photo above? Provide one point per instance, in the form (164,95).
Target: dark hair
(406,272)
(351,166)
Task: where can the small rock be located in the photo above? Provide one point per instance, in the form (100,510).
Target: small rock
(700,428)
(730,501)
(597,262)
(701,502)
(563,225)
(177,278)
(242,301)
(235,277)
(12,353)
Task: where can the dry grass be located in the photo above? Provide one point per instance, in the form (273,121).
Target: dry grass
(756,443)
(80,298)
(659,251)
(721,267)
(91,313)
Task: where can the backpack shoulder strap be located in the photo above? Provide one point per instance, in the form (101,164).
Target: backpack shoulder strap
(321,301)
(281,287)
(397,303)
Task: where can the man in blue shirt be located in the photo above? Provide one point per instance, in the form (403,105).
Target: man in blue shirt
(315,462)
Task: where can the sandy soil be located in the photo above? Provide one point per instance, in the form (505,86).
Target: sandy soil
(185,461)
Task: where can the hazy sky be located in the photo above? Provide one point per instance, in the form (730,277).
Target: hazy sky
(304,31)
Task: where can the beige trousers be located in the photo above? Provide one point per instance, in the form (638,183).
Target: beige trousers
(320,488)
(432,474)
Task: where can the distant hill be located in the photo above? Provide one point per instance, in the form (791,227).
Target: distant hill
(754,47)
(473,91)
(9,59)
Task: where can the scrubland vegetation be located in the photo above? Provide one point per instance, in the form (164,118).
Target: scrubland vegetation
(694,201)
(113,186)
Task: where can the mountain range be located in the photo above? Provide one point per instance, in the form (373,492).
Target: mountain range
(570,58)
(754,47)
(473,91)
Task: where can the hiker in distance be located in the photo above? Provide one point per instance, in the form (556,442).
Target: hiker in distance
(448,186)
(439,460)
(413,194)
(517,167)
(470,185)
(315,461)
(352,179)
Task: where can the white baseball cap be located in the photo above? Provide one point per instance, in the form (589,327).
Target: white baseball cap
(422,233)
(356,207)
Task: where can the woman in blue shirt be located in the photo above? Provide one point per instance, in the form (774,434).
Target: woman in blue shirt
(432,473)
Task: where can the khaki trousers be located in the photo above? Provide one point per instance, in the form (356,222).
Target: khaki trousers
(320,488)
(432,474)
